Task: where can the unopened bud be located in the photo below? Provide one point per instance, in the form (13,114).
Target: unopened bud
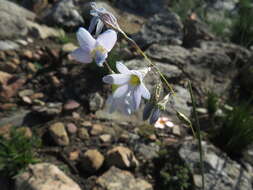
(183,118)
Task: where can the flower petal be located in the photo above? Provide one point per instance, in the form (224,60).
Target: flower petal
(144,92)
(137,97)
(100,58)
(154,116)
(147,111)
(120,91)
(99,27)
(122,68)
(107,39)
(118,79)
(81,55)
(93,23)
(86,41)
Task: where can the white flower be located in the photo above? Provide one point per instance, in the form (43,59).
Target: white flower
(91,48)
(122,104)
(128,81)
(163,122)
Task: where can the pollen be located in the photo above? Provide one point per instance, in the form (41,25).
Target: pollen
(100,49)
(134,80)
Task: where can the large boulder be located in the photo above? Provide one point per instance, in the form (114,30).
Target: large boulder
(163,28)
(219,170)
(65,14)
(12,24)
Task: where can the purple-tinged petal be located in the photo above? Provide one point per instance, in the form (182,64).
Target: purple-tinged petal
(81,55)
(99,27)
(93,23)
(107,39)
(147,111)
(122,68)
(120,91)
(144,92)
(118,79)
(100,58)
(137,97)
(86,41)
(154,116)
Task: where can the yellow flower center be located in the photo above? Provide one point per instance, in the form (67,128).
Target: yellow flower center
(98,48)
(134,80)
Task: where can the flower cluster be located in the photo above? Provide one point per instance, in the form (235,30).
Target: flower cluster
(128,86)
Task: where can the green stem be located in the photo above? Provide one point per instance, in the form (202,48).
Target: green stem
(198,134)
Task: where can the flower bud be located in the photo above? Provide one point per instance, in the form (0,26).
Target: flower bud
(154,116)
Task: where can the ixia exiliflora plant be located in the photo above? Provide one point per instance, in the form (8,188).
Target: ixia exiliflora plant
(127,85)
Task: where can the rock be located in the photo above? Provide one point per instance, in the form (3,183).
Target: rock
(26,92)
(96,101)
(97,129)
(44,176)
(83,134)
(74,155)
(220,171)
(176,130)
(105,138)
(121,157)
(92,160)
(26,131)
(246,78)
(12,88)
(8,45)
(65,14)
(163,28)
(28,54)
(59,134)
(15,119)
(171,54)
(8,67)
(68,47)
(12,25)
(4,77)
(42,31)
(116,179)
(71,105)
(148,152)
(36,6)
(71,127)
(49,109)
(147,7)
(5,130)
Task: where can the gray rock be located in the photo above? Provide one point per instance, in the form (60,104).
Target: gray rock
(59,134)
(148,152)
(220,171)
(116,179)
(96,101)
(163,28)
(65,14)
(8,45)
(143,6)
(246,78)
(16,119)
(12,25)
(44,176)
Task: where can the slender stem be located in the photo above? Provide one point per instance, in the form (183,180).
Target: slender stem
(149,62)
(198,134)
(109,68)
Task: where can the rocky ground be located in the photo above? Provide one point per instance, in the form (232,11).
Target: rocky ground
(47,95)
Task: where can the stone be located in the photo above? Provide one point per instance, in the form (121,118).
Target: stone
(42,31)
(68,47)
(49,109)
(121,157)
(8,45)
(96,101)
(59,134)
(5,130)
(92,160)
(4,77)
(65,14)
(176,130)
(26,92)
(162,28)
(148,152)
(97,129)
(12,25)
(83,134)
(26,131)
(71,127)
(117,179)
(12,88)
(146,7)
(44,176)
(105,138)
(8,67)
(16,118)
(220,171)
(71,105)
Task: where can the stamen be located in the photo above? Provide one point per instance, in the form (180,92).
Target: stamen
(134,80)
(100,49)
